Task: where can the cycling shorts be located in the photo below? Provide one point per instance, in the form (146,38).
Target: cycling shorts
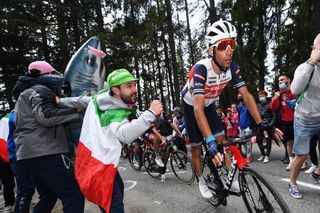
(194,133)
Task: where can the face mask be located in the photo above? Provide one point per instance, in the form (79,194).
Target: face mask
(283,86)
(262,99)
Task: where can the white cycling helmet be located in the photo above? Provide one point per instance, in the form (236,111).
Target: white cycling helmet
(220,30)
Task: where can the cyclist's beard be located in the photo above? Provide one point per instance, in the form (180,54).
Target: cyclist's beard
(129,99)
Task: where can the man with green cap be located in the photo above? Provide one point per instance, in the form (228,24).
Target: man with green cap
(106,125)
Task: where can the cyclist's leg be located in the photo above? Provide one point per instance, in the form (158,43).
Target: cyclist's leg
(136,148)
(156,143)
(196,140)
(196,150)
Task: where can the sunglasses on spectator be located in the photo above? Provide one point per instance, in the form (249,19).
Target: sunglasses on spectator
(224,44)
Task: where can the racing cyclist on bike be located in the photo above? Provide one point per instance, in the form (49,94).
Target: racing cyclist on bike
(207,80)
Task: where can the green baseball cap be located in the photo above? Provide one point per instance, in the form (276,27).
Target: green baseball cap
(119,77)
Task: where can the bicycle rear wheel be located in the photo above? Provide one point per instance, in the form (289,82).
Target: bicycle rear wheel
(150,164)
(135,160)
(258,194)
(182,167)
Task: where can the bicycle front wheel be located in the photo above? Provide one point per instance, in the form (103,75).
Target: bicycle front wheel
(150,164)
(258,194)
(182,167)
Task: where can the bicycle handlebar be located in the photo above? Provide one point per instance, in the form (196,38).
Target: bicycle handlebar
(241,140)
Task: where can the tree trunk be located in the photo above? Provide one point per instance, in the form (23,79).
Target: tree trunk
(62,33)
(136,67)
(155,47)
(176,100)
(315,17)
(191,55)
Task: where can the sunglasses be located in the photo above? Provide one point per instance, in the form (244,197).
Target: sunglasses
(224,44)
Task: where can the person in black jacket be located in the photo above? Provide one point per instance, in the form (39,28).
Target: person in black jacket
(41,140)
(268,119)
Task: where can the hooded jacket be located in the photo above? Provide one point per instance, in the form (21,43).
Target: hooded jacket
(39,121)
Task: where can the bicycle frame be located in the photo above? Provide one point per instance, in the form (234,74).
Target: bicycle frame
(237,163)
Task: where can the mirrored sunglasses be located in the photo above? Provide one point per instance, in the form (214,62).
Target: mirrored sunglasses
(223,45)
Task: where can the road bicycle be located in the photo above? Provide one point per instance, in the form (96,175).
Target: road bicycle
(135,159)
(181,164)
(258,194)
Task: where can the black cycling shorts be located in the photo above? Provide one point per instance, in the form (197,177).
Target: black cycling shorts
(193,131)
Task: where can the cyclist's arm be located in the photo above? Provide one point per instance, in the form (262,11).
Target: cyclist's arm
(202,122)
(251,104)
(176,129)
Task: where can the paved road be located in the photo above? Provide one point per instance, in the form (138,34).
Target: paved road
(146,194)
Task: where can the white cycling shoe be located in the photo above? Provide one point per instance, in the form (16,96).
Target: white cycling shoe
(204,190)
(159,161)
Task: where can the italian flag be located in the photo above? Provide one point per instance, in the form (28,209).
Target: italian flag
(4,132)
(98,153)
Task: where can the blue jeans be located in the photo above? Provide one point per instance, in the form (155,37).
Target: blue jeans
(303,132)
(117,196)
(54,178)
(25,187)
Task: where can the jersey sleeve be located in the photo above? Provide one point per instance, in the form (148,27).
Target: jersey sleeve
(236,76)
(199,79)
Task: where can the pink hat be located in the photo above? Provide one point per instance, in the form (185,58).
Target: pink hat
(229,109)
(43,66)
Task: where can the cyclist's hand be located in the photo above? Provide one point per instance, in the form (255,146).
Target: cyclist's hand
(213,150)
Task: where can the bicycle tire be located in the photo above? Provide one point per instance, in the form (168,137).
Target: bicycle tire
(134,163)
(255,190)
(182,167)
(150,164)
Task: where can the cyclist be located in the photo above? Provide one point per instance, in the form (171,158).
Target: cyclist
(178,126)
(207,80)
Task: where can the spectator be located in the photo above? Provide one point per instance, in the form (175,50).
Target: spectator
(307,114)
(40,138)
(25,184)
(220,113)
(6,176)
(231,123)
(106,125)
(245,123)
(268,119)
(278,102)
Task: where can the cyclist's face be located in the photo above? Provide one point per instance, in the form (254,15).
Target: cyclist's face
(128,92)
(224,57)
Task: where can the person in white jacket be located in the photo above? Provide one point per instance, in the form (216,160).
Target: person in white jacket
(307,114)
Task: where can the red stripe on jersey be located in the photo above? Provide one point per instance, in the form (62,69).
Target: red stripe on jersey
(199,76)
(206,86)
(191,73)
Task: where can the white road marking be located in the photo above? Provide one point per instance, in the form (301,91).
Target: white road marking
(120,168)
(157,202)
(134,183)
(303,184)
